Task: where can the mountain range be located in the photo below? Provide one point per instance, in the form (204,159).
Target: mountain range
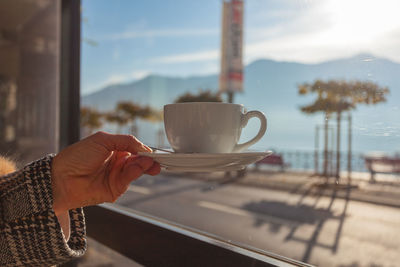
(271,87)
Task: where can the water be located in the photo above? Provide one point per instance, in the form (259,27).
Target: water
(305,160)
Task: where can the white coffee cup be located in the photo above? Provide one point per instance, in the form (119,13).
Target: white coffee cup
(209,127)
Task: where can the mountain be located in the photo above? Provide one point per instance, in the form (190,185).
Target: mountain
(155,90)
(271,87)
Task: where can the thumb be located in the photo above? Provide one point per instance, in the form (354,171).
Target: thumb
(120,142)
(134,168)
(125,170)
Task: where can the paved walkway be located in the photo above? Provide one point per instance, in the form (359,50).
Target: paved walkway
(321,230)
(385,191)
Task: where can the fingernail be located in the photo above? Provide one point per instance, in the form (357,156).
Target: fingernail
(148,148)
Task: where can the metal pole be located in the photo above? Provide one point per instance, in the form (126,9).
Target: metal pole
(230,100)
(331,150)
(325,170)
(160,135)
(338,147)
(230,97)
(316,149)
(349,152)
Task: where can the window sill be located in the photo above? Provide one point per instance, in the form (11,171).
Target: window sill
(153,241)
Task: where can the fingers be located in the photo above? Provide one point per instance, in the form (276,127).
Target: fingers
(127,168)
(118,164)
(120,142)
(114,186)
(155,169)
(135,167)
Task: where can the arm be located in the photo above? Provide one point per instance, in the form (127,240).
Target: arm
(36,201)
(30,232)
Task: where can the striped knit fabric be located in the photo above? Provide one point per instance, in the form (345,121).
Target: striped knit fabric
(30,234)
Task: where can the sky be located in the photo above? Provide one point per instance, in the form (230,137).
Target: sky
(126,40)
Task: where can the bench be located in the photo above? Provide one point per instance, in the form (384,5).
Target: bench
(382,165)
(274,159)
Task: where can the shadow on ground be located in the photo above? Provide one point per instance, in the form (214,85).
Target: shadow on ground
(206,185)
(299,214)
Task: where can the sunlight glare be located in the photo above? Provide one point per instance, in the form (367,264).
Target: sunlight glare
(362,21)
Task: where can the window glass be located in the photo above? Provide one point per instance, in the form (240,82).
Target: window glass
(29,77)
(325,74)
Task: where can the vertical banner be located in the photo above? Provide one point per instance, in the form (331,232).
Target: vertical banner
(231,75)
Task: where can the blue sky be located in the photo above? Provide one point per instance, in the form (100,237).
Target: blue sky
(182,37)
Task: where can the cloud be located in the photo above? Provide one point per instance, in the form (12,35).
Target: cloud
(116,79)
(316,32)
(285,30)
(153,33)
(119,78)
(137,75)
(198,56)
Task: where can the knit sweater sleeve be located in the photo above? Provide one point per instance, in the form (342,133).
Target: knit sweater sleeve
(30,234)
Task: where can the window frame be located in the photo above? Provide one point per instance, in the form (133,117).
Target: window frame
(69,97)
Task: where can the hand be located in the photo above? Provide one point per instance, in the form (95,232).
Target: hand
(97,169)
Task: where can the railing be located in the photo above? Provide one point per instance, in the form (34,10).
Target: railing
(307,160)
(155,242)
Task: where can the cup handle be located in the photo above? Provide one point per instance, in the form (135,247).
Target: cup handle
(263,127)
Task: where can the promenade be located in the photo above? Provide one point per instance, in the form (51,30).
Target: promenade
(294,214)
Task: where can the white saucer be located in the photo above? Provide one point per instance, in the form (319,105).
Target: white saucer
(206,162)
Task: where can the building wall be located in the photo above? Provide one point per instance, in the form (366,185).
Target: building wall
(29,61)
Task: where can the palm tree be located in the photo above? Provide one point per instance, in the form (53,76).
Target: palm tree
(118,118)
(203,96)
(337,96)
(91,119)
(150,114)
(156,116)
(131,111)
